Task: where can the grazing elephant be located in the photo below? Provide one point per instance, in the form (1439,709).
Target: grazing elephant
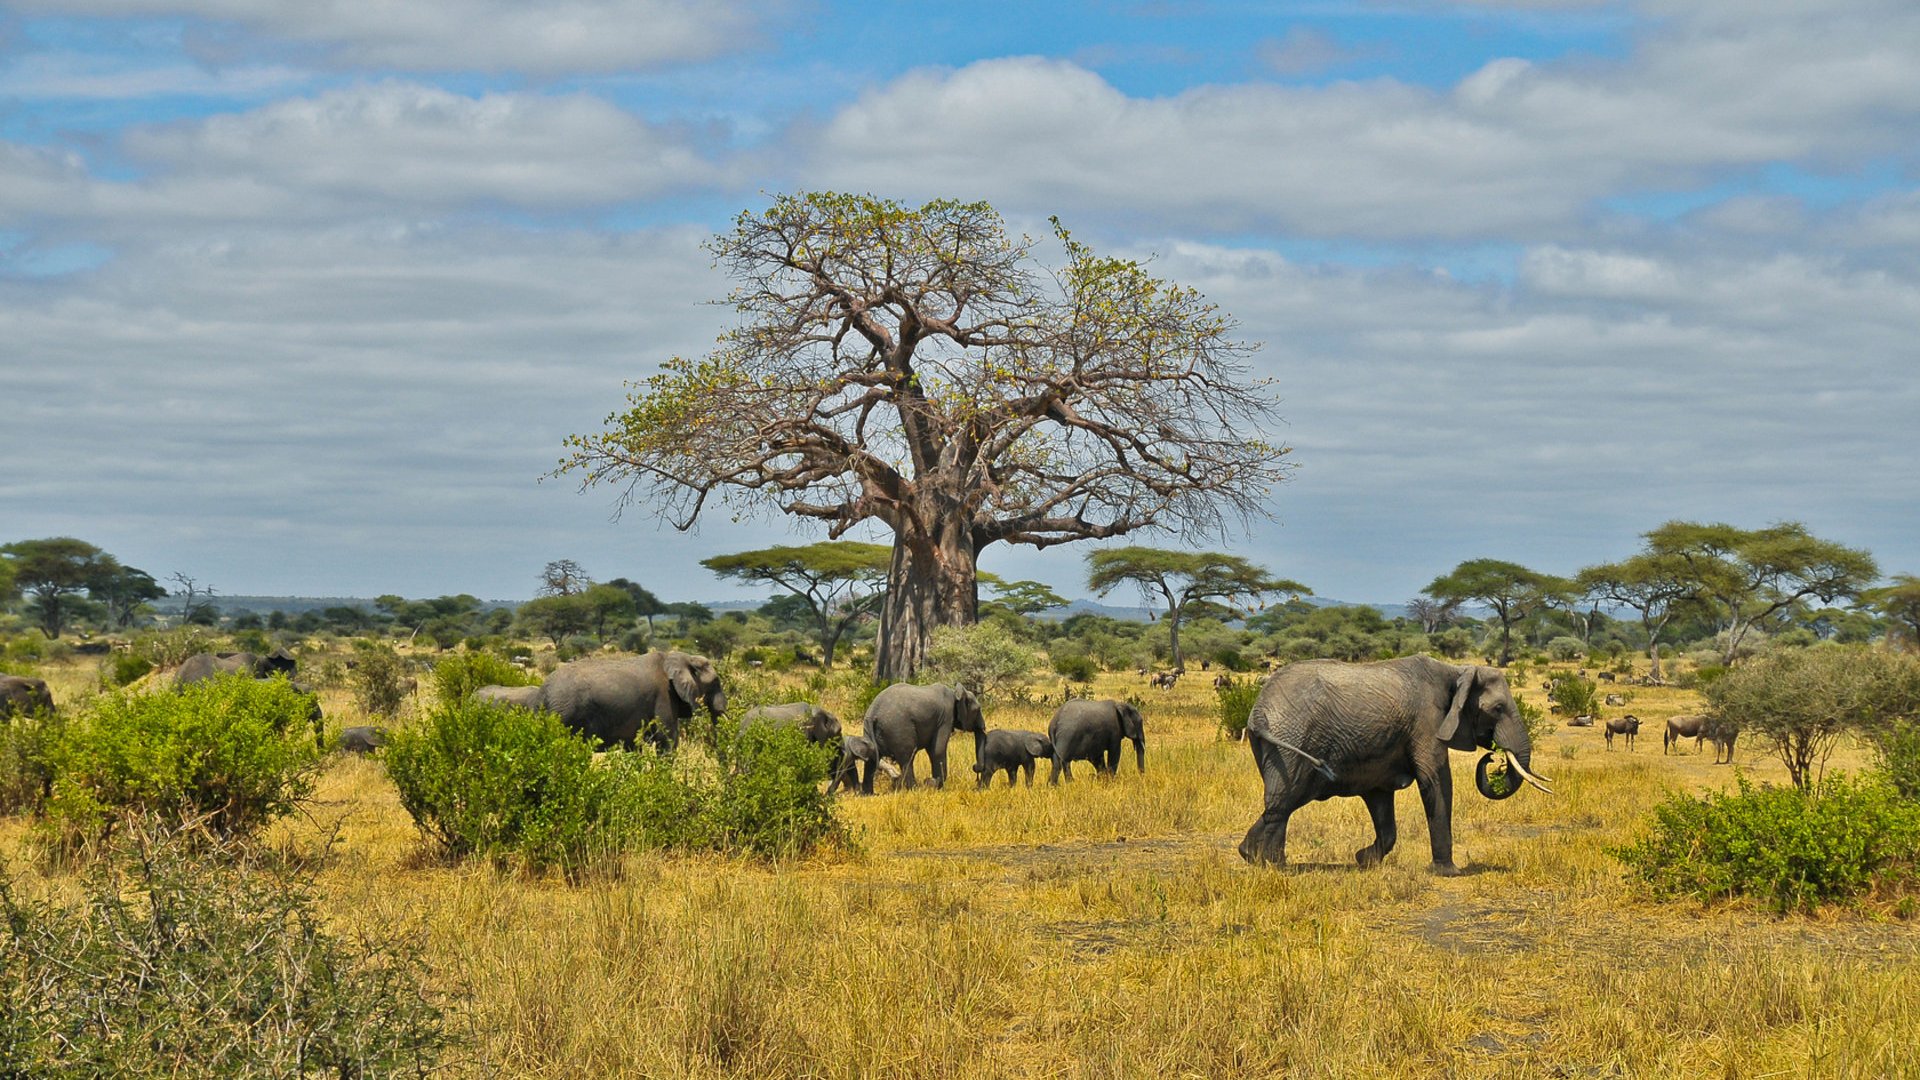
(207,665)
(816,723)
(527,697)
(905,719)
(617,699)
(1323,728)
(859,759)
(1009,751)
(1628,726)
(21,696)
(362,740)
(1684,727)
(1092,731)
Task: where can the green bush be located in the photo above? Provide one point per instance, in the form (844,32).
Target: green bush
(456,677)
(379,680)
(1538,721)
(26,762)
(178,960)
(170,648)
(1898,746)
(986,658)
(1788,848)
(1236,706)
(770,799)
(1575,696)
(231,753)
(1076,666)
(481,778)
(125,668)
(1565,648)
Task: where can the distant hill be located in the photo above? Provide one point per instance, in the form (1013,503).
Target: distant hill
(295,605)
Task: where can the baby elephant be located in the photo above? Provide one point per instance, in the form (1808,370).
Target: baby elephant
(1627,725)
(859,759)
(816,723)
(1009,751)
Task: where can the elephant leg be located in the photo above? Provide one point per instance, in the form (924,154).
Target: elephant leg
(907,779)
(1436,794)
(1380,808)
(868,768)
(937,758)
(1029,768)
(1266,841)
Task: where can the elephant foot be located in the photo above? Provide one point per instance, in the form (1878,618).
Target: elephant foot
(1368,856)
(1445,869)
(1259,855)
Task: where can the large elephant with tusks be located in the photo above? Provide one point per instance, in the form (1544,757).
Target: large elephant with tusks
(624,698)
(1323,728)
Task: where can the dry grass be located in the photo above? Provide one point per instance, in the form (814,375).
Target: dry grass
(1106,928)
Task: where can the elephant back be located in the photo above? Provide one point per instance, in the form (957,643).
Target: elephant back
(206,665)
(606,697)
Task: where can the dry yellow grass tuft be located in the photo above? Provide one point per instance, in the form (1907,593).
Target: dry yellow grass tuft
(1107,928)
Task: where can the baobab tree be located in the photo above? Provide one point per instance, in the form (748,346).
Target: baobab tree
(923,369)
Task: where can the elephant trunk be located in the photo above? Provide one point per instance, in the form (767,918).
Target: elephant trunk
(1511,735)
(1140,753)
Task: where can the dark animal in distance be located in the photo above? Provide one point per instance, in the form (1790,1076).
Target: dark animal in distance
(21,696)
(362,740)
(1628,726)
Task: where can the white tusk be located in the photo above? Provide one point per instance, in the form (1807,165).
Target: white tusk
(1537,781)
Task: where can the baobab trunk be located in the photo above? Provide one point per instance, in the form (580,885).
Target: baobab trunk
(930,584)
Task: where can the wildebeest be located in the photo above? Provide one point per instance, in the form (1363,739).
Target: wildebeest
(1628,725)
(1684,727)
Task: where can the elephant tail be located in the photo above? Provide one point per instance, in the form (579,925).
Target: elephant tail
(1319,765)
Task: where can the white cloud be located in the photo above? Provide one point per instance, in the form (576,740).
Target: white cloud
(73,76)
(549,37)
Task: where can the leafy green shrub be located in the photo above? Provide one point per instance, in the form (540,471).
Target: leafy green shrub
(481,778)
(1236,706)
(1898,746)
(769,800)
(179,960)
(1078,666)
(1801,701)
(379,680)
(456,677)
(1232,659)
(26,762)
(986,658)
(1575,696)
(1538,721)
(170,648)
(1565,648)
(125,668)
(1789,848)
(1452,643)
(231,753)
(27,648)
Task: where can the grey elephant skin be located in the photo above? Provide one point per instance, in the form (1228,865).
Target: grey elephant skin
(816,723)
(1010,751)
(207,665)
(905,719)
(21,696)
(527,697)
(362,740)
(858,761)
(1092,731)
(1323,728)
(623,698)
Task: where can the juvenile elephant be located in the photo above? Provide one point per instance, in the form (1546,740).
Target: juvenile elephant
(1083,730)
(1009,751)
(859,759)
(618,699)
(21,696)
(905,719)
(1684,727)
(206,665)
(1628,726)
(816,723)
(1323,728)
(527,697)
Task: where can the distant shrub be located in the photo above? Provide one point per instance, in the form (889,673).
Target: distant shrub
(456,677)
(231,753)
(1078,666)
(253,641)
(1232,659)
(986,658)
(1575,696)
(1452,643)
(27,648)
(176,960)
(379,680)
(1236,706)
(575,647)
(125,668)
(1565,648)
(170,648)
(1788,848)
(1539,722)
(770,799)
(1800,702)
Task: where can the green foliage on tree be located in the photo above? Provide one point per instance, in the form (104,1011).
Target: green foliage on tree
(1899,604)
(840,581)
(53,572)
(1185,580)
(125,591)
(1800,702)
(986,658)
(1750,576)
(1024,598)
(1657,585)
(556,618)
(1511,590)
(920,368)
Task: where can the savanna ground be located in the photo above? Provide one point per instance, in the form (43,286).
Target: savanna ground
(1107,928)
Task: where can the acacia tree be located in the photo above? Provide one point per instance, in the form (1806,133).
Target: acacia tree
(1511,590)
(53,572)
(1899,603)
(1656,585)
(840,580)
(921,368)
(1749,576)
(1184,579)
(124,589)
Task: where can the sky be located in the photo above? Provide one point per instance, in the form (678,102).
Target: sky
(301,298)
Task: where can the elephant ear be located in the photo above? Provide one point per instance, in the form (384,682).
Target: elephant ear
(1462,689)
(1132,726)
(680,674)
